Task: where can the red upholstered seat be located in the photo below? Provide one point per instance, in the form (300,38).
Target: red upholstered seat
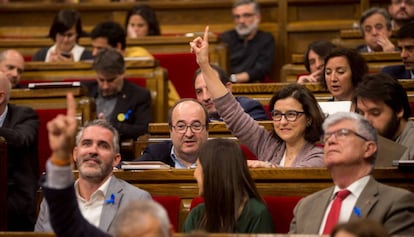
(172,205)
(247,153)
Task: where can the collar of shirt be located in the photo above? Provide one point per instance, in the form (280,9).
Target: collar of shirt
(355,188)
(177,163)
(3,115)
(101,191)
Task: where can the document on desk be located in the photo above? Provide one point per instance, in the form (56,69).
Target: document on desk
(331,107)
(143,165)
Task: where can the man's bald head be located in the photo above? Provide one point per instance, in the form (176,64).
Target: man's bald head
(12,64)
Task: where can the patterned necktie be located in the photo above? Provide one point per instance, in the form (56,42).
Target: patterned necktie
(333,214)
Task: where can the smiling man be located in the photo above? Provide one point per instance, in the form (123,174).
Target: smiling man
(251,51)
(12,65)
(99,193)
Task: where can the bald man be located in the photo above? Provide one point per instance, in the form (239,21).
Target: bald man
(12,64)
(19,126)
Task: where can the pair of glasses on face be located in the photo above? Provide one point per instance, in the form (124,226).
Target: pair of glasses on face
(341,134)
(194,127)
(290,115)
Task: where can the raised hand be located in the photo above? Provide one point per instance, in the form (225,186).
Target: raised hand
(199,46)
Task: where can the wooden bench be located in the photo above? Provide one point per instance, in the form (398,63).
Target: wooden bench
(155,78)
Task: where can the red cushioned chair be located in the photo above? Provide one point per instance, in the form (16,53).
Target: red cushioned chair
(172,205)
(281,208)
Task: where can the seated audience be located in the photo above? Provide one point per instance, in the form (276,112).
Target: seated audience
(232,203)
(405,42)
(360,228)
(297,120)
(314,60)
(65,31)
(401,12)
(141,21)
(110,34)
(344,69)
(188,122)
(252,107)
(383,101)
(143,218)
(12,65)
(19,127)
(99,193)
(375,26)
(350,152)
(251,51)
(125,105)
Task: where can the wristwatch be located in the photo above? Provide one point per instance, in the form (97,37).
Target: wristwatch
(233,78)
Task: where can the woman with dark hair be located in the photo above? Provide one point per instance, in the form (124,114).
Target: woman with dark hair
(297,120)
(65,32)
(344,69)
(232,203)
(314,60)
(141,21)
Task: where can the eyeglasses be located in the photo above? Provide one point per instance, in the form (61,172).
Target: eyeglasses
(342,134)
(245,16)
(290,115)
(406,2)
(194,127)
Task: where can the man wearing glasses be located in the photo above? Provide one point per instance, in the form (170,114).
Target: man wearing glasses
(188,122)
(251,51)
(402,12)
(350,152)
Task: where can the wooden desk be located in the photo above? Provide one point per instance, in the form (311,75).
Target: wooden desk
(156,80)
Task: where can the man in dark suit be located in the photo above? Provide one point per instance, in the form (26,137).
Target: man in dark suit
(405,42)
(188,122)
(350,152)
(125,105)
(19,126)
(251,107)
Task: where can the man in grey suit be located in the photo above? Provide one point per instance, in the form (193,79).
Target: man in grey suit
(100,194)
(350,152)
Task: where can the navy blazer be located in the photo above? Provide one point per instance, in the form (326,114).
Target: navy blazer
(20,130)
(131,98)
(252,107)
(397,72)
(158,152)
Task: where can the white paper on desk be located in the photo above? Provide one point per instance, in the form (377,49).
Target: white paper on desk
(331,107)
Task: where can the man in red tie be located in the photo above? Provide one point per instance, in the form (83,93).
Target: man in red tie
(350,151)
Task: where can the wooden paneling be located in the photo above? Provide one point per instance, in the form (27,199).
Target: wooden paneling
(3,184)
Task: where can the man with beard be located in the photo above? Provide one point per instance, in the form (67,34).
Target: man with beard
(12,64)
(99,194)
(384,103)
(405,42)
(401,12)
(251,51)
(252,107)
(124,105)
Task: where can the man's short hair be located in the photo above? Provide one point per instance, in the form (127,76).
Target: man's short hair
(362,126)
(112,31)
(244,2)
(170,112)
(371,11)
(224,77)
(104,124)
(382,87)
(406,31)
(109,61)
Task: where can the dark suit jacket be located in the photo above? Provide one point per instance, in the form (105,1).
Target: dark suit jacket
(397,72)
(20,129)
(41,55)
(67,220)
(393,207)
(253,108)
(131,97)
(158,152)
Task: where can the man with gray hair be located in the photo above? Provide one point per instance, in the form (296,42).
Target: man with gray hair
(125,105)
(99,193)
(251,51)
(349,153)
(375,26)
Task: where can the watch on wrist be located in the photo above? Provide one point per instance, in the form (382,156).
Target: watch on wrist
(233,78)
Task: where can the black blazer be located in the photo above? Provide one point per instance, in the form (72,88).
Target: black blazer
(397,72)
(133,98)
(20,130)
(40,55)
(158,152)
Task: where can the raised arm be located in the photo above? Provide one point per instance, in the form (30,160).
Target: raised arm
(199,46)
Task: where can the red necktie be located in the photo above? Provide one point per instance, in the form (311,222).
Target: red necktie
(333,214)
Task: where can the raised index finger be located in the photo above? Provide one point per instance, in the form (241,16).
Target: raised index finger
(71,105)
(205,38)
